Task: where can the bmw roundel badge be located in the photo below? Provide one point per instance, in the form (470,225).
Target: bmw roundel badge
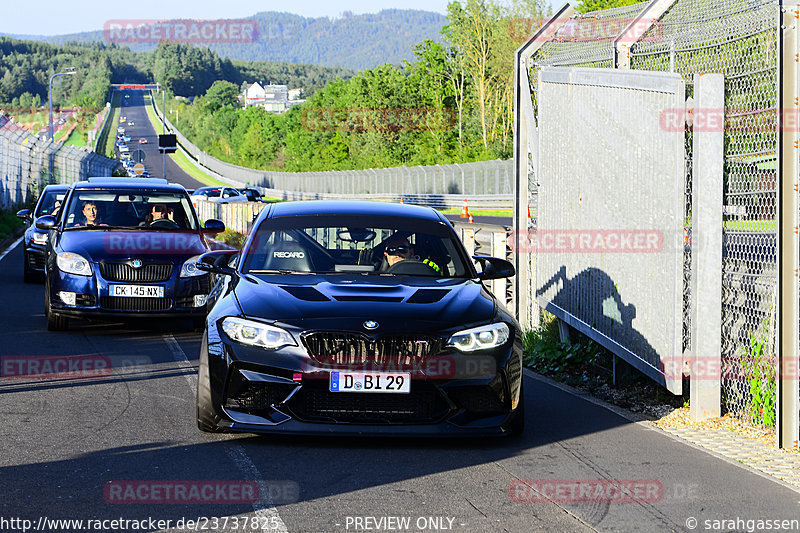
(136,263)
(370,325)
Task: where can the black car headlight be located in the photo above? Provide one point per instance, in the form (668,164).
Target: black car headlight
(257,334)
(480,338)
(189,268)
(73,263)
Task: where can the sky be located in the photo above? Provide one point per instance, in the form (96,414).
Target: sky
(58,17)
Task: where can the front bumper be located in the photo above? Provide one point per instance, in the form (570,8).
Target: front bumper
(34,257)
(289,393)
(93,297)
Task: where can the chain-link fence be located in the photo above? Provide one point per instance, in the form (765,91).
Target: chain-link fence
(29,163)
(739,40)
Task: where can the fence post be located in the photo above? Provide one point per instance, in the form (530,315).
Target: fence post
(499,250)
(787,403)
(468,238)
(706,224)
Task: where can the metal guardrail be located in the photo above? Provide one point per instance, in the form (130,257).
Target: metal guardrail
(486,184)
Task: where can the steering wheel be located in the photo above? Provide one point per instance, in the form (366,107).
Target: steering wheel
(412,267)
(164,223)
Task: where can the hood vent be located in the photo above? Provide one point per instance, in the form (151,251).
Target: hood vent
(307,294)
(428,296)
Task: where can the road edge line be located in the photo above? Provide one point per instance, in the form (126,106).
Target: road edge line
(11,246)
(263,507)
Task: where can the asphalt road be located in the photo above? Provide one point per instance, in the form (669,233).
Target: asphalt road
(133,110)
(68,438)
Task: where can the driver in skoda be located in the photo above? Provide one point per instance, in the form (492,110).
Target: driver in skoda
(158,212)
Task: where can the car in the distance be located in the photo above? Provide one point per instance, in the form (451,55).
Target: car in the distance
(142,141)
(131,123)
(218,194)
(358,318)
(34,240)
(253,195)
(122,248)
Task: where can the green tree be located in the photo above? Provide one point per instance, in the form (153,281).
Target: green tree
(585,6)
(221,94)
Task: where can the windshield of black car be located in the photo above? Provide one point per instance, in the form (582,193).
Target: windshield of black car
(348,245)
(129,209)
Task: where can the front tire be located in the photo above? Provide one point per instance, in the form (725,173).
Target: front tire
(28,275)
(55,322)
(207,417)
(517,426)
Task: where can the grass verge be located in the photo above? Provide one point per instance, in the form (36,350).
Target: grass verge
(178,157)
(8,223)
(189,167)
(106,144)
(586,365)
(482,212)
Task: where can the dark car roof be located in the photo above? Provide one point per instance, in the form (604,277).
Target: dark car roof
(56,187)
(352,207)
(129,183)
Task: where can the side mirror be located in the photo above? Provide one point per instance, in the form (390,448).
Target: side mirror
(46,222)
(213,226)
(217,262)
(24,214)
(495,268)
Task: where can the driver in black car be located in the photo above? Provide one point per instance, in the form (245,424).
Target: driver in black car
(398,249)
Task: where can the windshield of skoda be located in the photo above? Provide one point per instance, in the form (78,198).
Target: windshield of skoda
(129,209)
(348,245)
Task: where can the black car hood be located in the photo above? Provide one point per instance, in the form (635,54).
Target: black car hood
(397,303)
(109,245)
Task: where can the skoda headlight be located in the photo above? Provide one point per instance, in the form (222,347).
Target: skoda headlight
(72,263)
(481,338)
(257,334)
(189,268)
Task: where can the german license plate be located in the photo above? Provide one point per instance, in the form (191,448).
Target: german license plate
(370,382)
(137,291)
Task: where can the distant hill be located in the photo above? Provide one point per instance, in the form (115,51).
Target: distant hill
(351,41)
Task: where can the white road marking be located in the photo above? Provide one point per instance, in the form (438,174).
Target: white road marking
(13,245)
(263,507)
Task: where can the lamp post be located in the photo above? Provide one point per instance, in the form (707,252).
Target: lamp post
(67,72)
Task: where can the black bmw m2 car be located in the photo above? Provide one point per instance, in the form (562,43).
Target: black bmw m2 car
(357,318)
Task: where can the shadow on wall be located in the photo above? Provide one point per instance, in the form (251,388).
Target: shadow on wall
(593,297)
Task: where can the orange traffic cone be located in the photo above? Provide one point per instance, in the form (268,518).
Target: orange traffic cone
(470,219)
(401,200)
(465,210)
